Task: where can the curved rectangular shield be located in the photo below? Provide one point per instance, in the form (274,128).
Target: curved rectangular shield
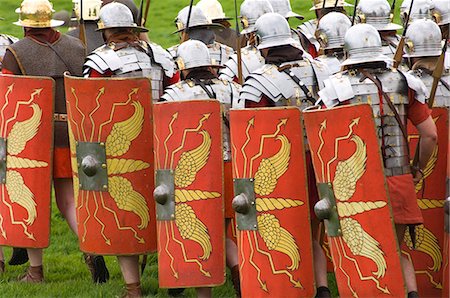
(354,201)
(427,256)
(271,203)
(111,144)
(26,147)
(189,193)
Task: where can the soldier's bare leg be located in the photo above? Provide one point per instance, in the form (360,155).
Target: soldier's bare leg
(129,265)
(320,261)
(65,201)
(204,292)
(232,258)
(35,256)
(35,272)
(407,266)
(232,253)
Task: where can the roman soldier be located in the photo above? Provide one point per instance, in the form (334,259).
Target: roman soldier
(124,54)
(46,52)
(421,10)
(200,28)
(288,79)
(330,34)
(214,11)
(422,52)
(200,81)
(378,14)
(394,96)
(307,30)
(251,10)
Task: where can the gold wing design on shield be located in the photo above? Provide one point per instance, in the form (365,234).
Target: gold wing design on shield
(20,194)
(277,238)
(429,168)
(126,198)
(24,131)
(118,143)
(123,133)
(427,243)
(191,162)
(349,171)
(272,168)
(362,244)
(191,228)
(187,222)
(266,178)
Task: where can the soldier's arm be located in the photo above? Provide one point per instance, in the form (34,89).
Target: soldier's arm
(419,114)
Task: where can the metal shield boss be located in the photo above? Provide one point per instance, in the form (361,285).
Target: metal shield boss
(354,201)
(271,203)
(189,193)
(110,135)
(427,256)
(26,153)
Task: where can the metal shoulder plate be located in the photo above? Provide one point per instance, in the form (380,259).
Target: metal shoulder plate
(102,59)
(173,51)
(128,61)
(308,29)
(5,41)
(225,92)
(278,85)
(163,58)
(220,53)
(415,83)
(251,60)
(333,63)
(442,97)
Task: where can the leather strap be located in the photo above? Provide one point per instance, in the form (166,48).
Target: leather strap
(388,101)
(287,70)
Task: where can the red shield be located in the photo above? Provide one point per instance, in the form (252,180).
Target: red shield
(112,160)
(275,253)
(362,240)
(427,256)
(188,145)
(26,123)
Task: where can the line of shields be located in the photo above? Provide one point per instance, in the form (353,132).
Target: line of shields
(150,177)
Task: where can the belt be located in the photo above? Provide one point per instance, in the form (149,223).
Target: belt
(397,171)
(60,117)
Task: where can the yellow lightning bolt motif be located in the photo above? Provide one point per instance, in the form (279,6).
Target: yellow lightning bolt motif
(262,141)
(83,116)
(8,92)
(323,126)
(113,109)
(258,270)
(185,132)
(101,91)
(174,117)
(336,143)
(250,123)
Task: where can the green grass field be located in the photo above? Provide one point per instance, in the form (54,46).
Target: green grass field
(65,272)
